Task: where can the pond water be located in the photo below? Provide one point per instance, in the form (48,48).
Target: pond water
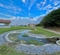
(20,37)
(27,37)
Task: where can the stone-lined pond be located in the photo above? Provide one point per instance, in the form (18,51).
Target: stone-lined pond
(29,43)
(27,38)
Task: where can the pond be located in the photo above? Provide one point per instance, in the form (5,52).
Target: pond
(24,37)
(29,43)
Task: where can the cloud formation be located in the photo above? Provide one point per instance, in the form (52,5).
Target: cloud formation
(23,1)
(23,9)
(31,3)
(11,8)
(43,2)
(56,2)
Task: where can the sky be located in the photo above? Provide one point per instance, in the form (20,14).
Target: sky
(26,10)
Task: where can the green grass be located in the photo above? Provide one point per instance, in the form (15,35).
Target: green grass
(2,30)
(35,42)
(39,30)
(59,41)
(58,53)
(6,50)
(22,42)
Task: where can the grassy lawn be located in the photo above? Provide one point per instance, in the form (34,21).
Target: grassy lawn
(2,30)
(39,30)
(6,50)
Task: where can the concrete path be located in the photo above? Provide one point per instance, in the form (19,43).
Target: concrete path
(52,31)
(2,39)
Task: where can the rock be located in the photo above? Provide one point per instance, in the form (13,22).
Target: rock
(46,49)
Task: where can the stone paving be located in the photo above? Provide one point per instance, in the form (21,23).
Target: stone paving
(32,49)
(2,40)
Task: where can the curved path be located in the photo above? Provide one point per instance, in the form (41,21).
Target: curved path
(7,38)
(32,49)
(52,31)
(2,39)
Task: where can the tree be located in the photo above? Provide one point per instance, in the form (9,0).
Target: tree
(52,19)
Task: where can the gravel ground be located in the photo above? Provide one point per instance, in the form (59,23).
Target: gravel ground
(32,49)
(2,40)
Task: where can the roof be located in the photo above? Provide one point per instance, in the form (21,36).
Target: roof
(5,21)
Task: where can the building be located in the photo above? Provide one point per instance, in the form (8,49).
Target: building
(32,25)
(5,22)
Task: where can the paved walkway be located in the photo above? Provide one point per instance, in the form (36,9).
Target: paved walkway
(52,31)
(2,40)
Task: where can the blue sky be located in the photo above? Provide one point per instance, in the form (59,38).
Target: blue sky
(24,9)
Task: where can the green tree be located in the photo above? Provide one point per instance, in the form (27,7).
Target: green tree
(52,19)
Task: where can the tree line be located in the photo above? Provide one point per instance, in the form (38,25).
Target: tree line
(52,19)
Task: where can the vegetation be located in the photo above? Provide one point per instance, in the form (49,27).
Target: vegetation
(35,42)
(52,19)
(39,30)
(22,42)
(6,50)
(25,35)
(13,36)
(59,41)
(58,53)
(2,30)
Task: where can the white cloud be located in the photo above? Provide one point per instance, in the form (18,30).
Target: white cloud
(34,19)
(14,18)
(50,0)
(47,7)
(1,5)
(23,18)
(54,8)
(31,4)
(5,15)
(43,3)
(11,8)
(23,1)
(10,17)
(56,2)
(38,6)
